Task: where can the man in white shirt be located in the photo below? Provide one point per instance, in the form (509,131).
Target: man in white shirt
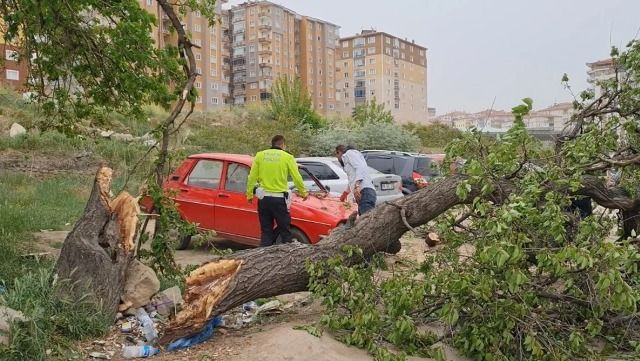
(360,182)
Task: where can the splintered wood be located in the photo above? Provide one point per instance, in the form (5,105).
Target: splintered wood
(206,286)
(126,208)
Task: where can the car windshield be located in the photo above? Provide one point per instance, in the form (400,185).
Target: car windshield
(374,171)
(424,166)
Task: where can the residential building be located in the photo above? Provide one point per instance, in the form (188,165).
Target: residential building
(600,71)
(270,41)
(550,120)
(14,73)
(211,51)
(377,65)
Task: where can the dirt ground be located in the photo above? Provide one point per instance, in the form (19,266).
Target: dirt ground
(270,338)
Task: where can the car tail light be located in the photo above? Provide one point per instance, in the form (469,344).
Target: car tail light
(419,180)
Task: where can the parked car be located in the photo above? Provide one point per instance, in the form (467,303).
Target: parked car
(210,191)
(331,175)
(415,169)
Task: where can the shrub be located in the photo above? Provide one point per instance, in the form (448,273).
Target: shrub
(368,136)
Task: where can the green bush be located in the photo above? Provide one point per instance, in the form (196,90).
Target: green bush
(368,136)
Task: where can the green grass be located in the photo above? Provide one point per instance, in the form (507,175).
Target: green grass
(29,204)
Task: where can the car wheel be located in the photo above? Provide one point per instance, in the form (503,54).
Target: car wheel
(183,242)
(296,236)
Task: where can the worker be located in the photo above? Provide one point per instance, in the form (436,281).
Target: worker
(360,182)
(270,171)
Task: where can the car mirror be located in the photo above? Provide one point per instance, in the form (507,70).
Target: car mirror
(327,187)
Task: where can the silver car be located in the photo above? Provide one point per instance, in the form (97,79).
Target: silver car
(331,175)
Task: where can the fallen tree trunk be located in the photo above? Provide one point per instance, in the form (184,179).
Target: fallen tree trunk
(97,252)
(220,285)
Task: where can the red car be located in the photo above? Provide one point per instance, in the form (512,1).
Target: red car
(211,193)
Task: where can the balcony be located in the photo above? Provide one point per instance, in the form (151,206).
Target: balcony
(238,56)
(264,27)
(238,91)
(264,64)
(239,80)
(264,51)
(264,38)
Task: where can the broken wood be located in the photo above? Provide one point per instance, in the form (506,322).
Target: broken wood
(97,252)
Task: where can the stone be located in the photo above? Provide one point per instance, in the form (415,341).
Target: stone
(140,285)
(122,137)
(16,130)
(166,302)
(106,133)
(7,317)
(149,142)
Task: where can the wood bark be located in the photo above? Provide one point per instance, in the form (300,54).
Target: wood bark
(266,272)
(97,252)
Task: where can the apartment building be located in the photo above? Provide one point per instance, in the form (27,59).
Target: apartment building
(270,41)
(380,66)
(263,48)
(14,74)
(212,53)
(316,62)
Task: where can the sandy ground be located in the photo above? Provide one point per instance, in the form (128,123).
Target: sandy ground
(269,339)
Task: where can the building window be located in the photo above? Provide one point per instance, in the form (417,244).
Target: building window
(371,50)
(197,28)
(372,61)
(346,75)
(345,54)
(401,45)
(11,55)
(372,81)
(358,62)
(254,98)
(345,44)
(371,39)
(346,84)
(212,31)
(421,52)
(214,86)
(198,56)
(359,93)
(359,73)
(358,52)
(372,72)
(387,40)
(197,13)
(320,105)
(199,71)
(388,51)
(12,74)
(197,85)
(331,106)
(252,74)
(199,100)
(402,55)
(214,72)
(252,23)
(214,100)
(198,42)
(253,86)
(311,81)
(149,2)
(358,42)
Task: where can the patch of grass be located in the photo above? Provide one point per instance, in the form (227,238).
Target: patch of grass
(54,320)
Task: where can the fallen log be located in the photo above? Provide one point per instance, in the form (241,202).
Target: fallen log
(97,252)
(220,285)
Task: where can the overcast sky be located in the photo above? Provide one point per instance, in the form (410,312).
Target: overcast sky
(479,50)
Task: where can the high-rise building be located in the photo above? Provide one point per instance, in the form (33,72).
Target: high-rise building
(211,52)
(380,66)
(270,41)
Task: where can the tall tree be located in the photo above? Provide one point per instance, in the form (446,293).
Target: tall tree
(290,101)
(371,112)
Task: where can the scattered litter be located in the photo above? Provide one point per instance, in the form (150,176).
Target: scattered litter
(2,290)
(250,306)
(100,343)
(100,356)
(166,302)
(139,351)
(198,338)
(126,327)
(148,328)
(270,308)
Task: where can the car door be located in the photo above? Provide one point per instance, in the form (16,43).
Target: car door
(326,176)
(199,191)
(235,217)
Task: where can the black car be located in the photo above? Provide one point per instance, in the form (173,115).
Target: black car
(415,169)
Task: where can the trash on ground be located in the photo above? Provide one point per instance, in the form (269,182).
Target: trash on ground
(270,308)
(126,327)
(148,328)
(198,338)
(100,356)
(130,352)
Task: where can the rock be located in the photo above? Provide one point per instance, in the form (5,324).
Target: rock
(122,137)
(7,317)
(100,356)
(140,285)
(166,301)
(106,133)
(16,130)
(149,142)
(270,308)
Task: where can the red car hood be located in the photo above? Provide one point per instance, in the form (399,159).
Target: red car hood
(330,205)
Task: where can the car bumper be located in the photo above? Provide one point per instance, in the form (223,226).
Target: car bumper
(388,198)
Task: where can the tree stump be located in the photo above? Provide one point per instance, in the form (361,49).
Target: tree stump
(97,252)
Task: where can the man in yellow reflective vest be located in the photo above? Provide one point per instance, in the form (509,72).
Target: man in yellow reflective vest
(270,170)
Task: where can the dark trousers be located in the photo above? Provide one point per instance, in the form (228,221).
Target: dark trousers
(367,200)
(270,209)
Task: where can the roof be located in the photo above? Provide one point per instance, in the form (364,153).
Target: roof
(309,159)
(240,158)
(601,63)
(383,33)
